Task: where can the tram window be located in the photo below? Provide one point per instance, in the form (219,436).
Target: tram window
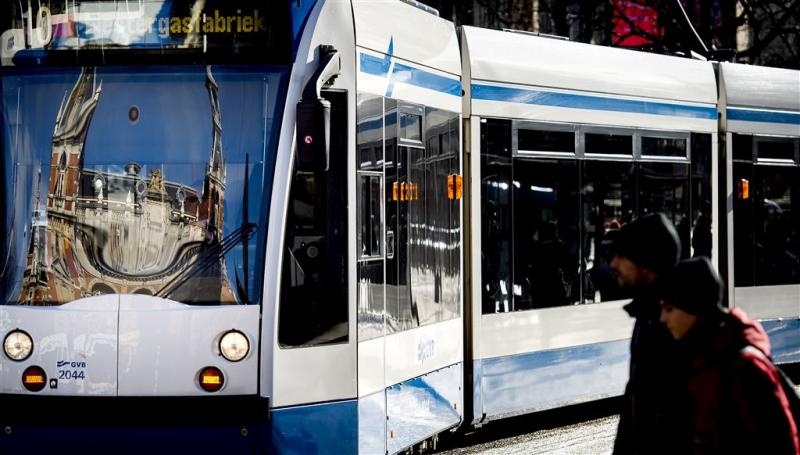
(608,199)
(767,226)
(314,303)
(370,218)
(777,225)
(766,219)
(370,221)
(743,147)
(546,237)
(608,144)
(369,132)
(440,249)
(775,149)
(546,141)
(664,146)
(701,195)
(664,187)
(410,126)
(423,276)
(743,227)
(5,238)
(496,252)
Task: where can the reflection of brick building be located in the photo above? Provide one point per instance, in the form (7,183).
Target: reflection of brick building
(129,231)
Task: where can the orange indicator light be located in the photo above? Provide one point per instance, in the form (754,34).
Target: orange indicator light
(455,186)
(34,378)
(211,379)
(743,187)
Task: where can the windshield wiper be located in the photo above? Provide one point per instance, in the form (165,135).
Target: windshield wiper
(206,260)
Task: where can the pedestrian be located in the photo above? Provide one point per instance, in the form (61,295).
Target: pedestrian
(737,401)
(643,252)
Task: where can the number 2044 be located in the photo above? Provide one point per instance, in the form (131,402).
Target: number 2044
(71,374)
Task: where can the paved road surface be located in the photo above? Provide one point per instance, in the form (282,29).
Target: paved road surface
(594,437)
(586,429)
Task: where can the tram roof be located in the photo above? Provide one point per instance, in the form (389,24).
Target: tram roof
(761,87)
(516,58)
(431,42)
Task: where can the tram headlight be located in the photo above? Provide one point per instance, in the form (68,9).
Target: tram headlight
(234,345)
(18,345)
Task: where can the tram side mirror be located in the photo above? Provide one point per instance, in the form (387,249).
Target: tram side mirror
(314,113)
(313,135)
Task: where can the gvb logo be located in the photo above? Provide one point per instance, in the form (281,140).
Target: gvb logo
(68,369)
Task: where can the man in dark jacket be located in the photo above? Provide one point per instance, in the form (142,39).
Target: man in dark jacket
(737,400)
(644,251)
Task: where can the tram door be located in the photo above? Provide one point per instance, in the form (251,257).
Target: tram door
(404,155)
(389,145)
(390,179)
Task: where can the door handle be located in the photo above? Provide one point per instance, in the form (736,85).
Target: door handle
(389,244)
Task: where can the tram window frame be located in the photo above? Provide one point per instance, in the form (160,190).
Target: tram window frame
(759,140)
(407,110)
(608,131)
(742,148)
(517,126)
(633,166)
(641,135)
(366,228)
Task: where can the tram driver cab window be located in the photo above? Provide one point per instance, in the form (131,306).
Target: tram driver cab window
(313,308)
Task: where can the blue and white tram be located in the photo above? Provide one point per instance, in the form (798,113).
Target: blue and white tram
(760,125)
(340,227)
(245,226)
(568,142)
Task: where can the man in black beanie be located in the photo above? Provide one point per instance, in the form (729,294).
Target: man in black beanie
(736,402)
(644,251)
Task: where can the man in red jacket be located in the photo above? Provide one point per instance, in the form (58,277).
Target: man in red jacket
(737,401)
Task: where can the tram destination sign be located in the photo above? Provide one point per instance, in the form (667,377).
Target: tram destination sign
(169,26)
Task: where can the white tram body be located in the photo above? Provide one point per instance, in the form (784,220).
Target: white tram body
(407,223)
(760,123)
(554,356)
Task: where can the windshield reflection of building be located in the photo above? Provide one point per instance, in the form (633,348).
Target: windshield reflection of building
(131,232)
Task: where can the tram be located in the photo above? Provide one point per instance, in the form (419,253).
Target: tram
(344,226)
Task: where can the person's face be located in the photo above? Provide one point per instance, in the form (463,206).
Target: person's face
(677,321)
(627,272)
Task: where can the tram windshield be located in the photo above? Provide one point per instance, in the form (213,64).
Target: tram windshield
(152,179)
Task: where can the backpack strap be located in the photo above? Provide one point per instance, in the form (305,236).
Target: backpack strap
(789,388)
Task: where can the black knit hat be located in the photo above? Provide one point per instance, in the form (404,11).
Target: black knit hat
(650,242)
(694,286)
